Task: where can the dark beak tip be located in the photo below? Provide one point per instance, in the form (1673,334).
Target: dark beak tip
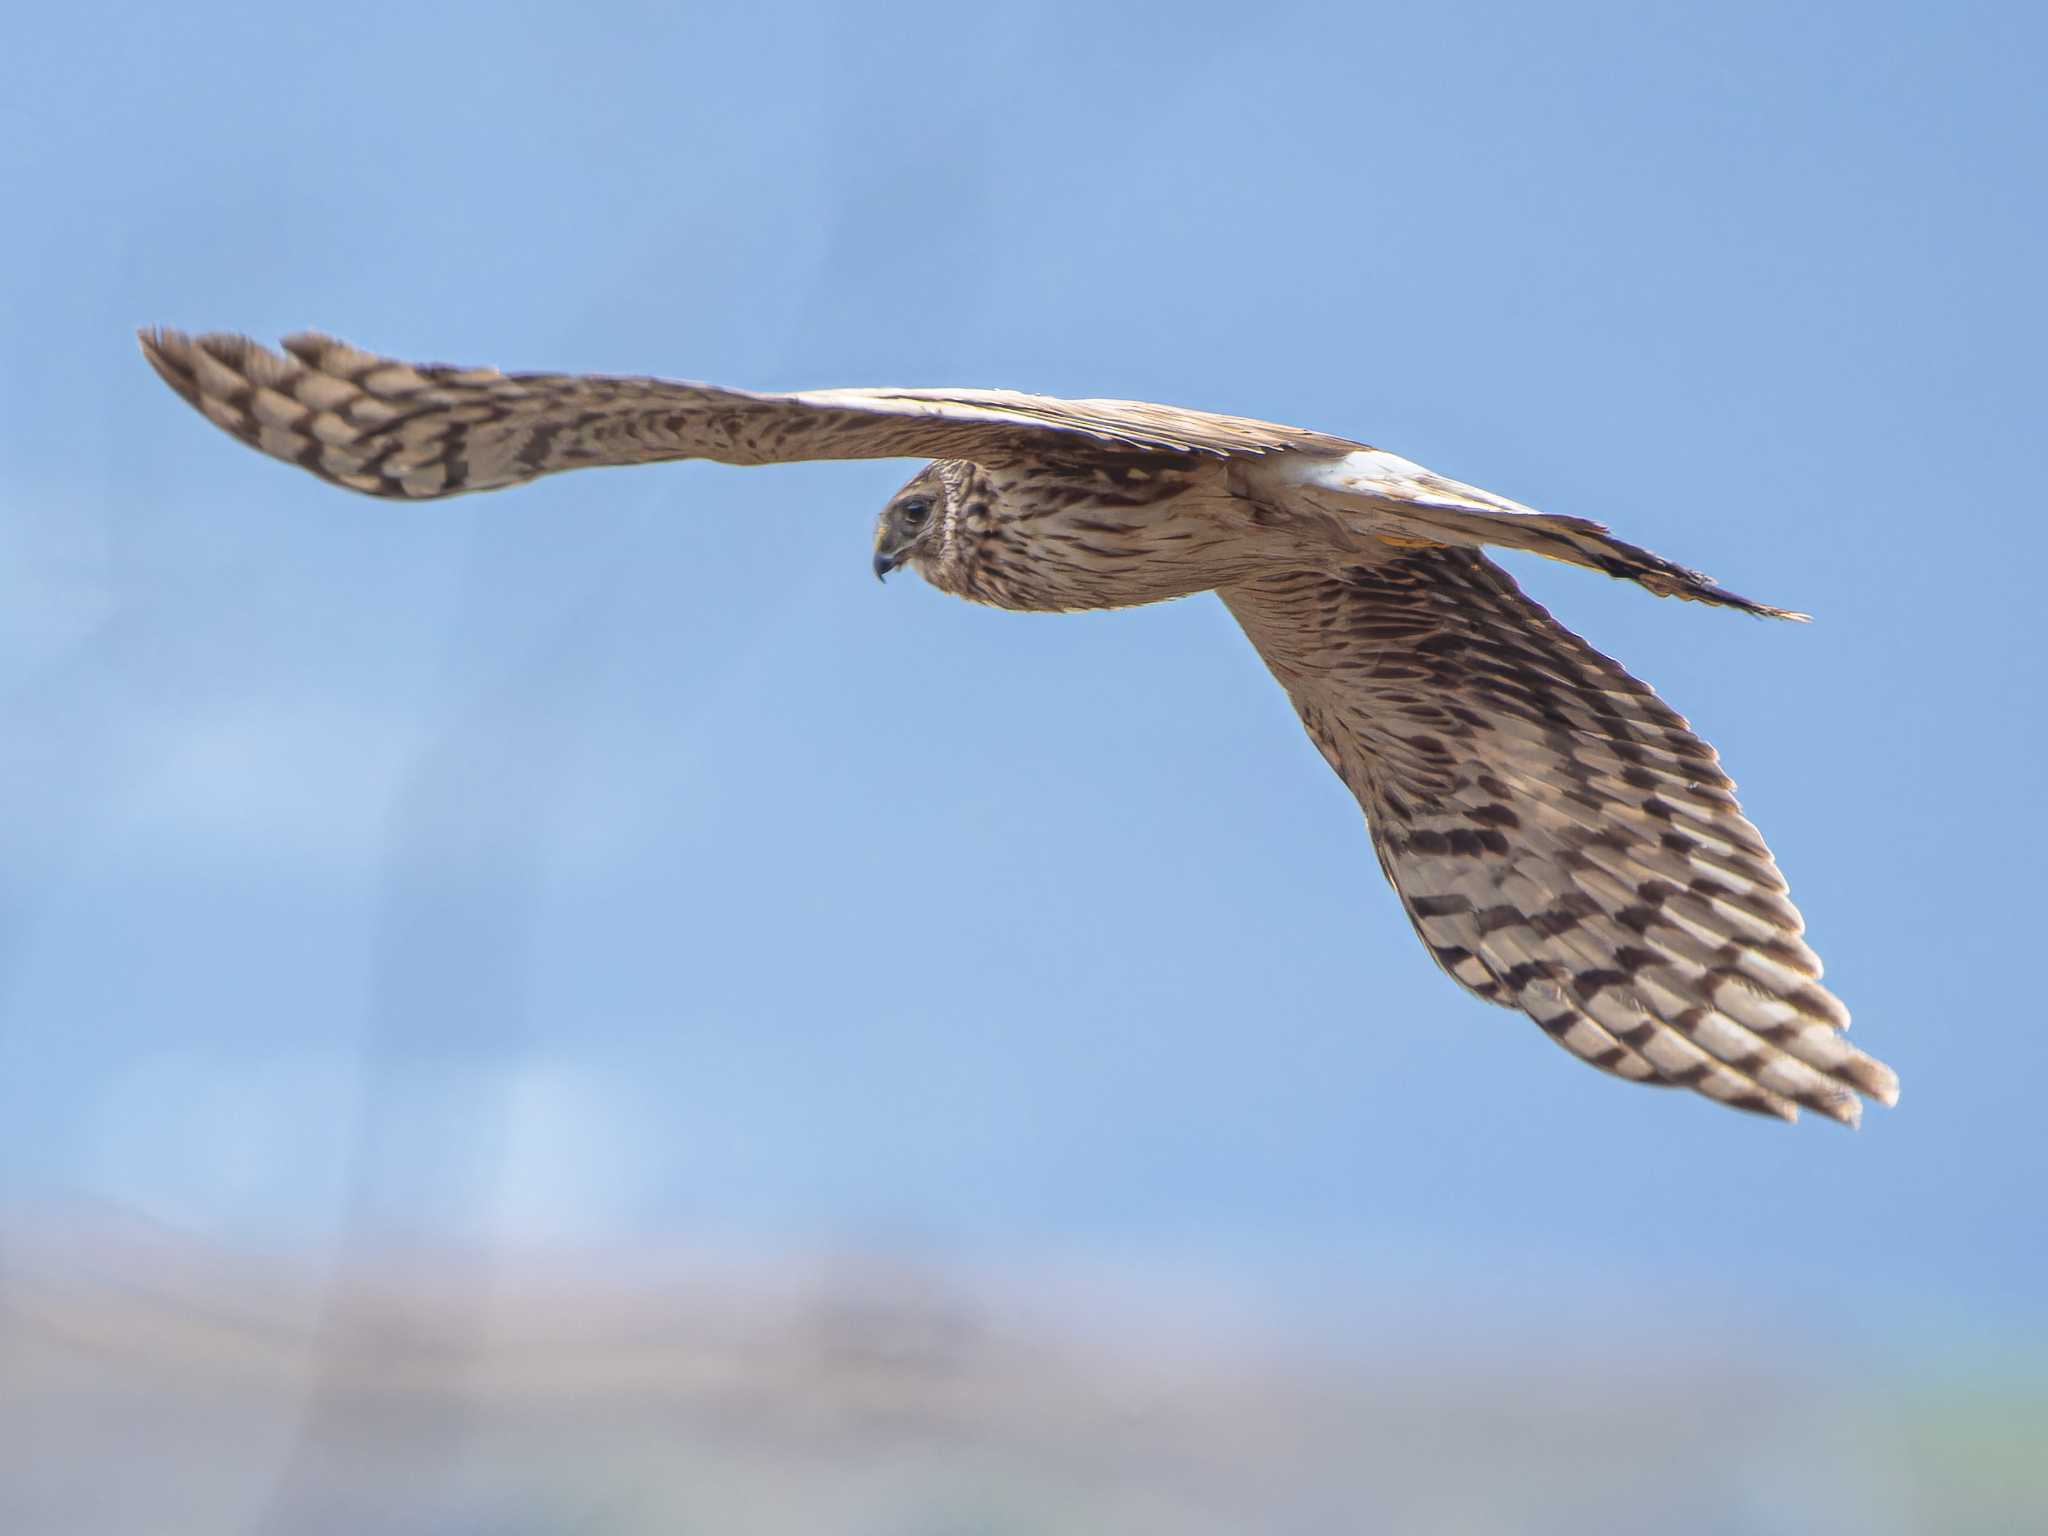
(884,564)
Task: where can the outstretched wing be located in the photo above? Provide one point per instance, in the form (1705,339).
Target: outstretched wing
(415,431)
(1563,843)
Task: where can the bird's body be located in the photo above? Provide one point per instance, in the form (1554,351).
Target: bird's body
(1058,538)
(1560,839)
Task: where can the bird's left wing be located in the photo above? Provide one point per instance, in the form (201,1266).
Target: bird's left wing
(1561,840)
(416,431)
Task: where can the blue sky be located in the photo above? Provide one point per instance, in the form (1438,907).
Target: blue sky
(613,862)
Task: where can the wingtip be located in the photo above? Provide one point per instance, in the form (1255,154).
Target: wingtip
(166,351)
(1880,1087)
(162,341)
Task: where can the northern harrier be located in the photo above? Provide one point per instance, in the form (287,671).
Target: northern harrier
(1562,842)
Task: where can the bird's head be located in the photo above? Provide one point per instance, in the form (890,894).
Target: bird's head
(912,526)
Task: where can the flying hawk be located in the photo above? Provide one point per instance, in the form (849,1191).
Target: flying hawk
(1562,842)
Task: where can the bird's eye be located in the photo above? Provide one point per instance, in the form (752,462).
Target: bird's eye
(914,511)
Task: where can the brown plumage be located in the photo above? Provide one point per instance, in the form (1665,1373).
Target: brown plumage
(1561,840)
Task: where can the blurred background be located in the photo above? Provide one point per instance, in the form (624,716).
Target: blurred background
(576,1011)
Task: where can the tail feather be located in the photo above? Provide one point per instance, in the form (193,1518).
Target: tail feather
(1580,541)
(1404,504)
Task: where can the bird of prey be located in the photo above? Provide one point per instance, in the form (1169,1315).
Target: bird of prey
(1561,840)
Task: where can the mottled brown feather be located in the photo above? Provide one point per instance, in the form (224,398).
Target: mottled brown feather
(417,431)
(1561,840)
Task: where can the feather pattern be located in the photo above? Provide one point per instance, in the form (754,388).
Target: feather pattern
(417,431)
(1561,840)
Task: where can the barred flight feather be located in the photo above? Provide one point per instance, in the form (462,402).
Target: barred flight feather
(1560,839)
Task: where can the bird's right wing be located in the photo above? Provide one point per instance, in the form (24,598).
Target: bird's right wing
(1561,840)
(416,431)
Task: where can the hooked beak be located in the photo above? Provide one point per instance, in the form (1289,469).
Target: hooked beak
(885,562)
